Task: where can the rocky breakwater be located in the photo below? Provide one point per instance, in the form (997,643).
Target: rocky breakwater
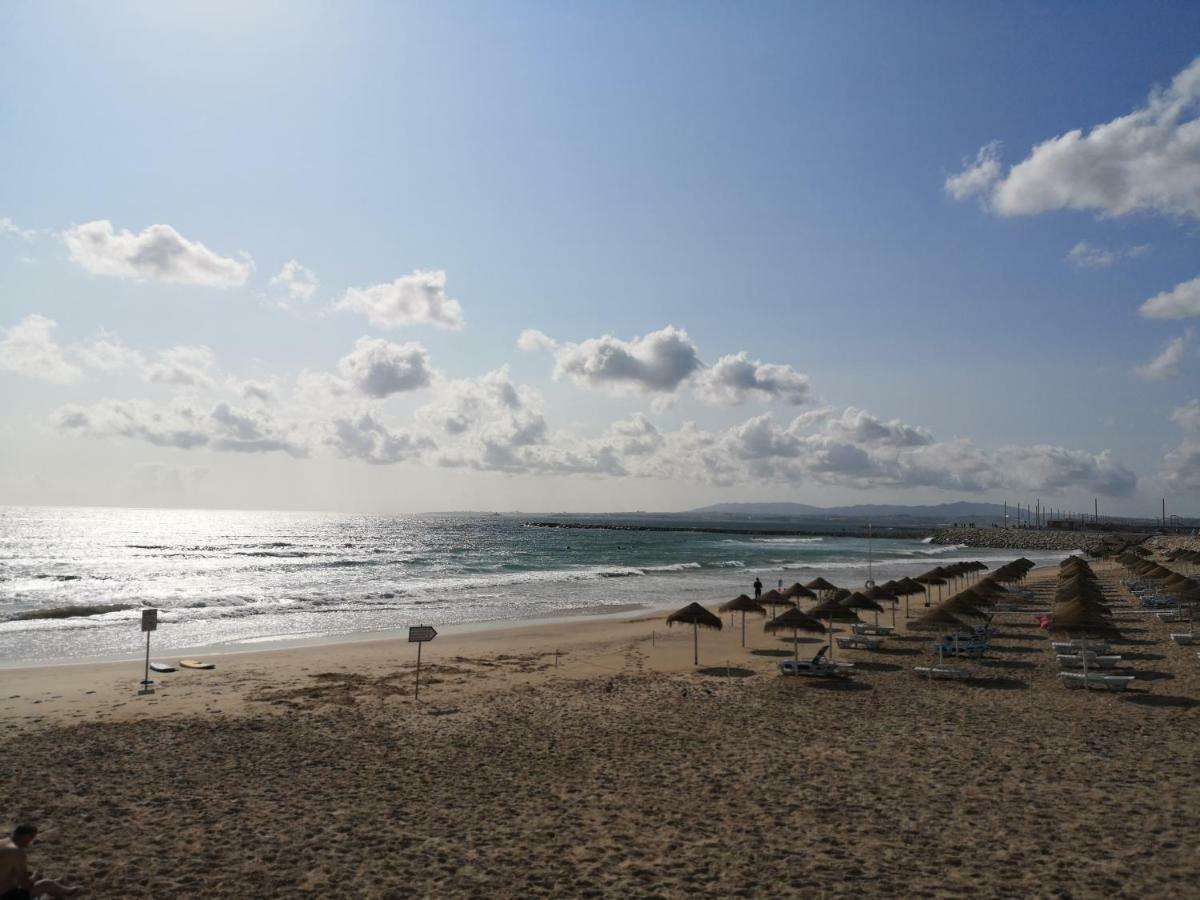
(1023,539)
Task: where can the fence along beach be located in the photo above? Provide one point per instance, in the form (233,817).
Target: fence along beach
(592,757)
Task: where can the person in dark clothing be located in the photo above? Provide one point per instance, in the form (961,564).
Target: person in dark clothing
(757,588)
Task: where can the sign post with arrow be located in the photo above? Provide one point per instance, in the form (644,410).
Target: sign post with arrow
(419,634)
(149,624)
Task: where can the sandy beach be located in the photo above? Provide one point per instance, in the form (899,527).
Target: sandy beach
(590,758)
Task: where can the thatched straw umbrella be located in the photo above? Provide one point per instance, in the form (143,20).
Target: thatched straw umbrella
(773,599)
(798,591)
(937,619)
(743,604)
(795,621)
(821,586)
(907,587)
(695,615)
(857,601)
(929,578)
(832,611)
(881,594)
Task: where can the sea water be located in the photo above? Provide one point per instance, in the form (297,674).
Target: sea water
(73,581)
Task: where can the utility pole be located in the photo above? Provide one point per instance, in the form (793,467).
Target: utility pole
(1164,512)
(1096,509)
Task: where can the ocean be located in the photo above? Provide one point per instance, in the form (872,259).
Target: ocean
(73,580)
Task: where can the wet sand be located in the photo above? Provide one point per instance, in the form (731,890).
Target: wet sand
(624,771)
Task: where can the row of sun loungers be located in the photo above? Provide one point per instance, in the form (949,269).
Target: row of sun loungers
(1096,680)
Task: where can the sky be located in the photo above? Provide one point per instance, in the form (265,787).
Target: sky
(402,257)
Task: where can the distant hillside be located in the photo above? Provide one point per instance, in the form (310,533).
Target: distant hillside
(941,512)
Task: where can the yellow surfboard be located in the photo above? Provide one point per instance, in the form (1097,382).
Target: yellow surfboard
(195,664)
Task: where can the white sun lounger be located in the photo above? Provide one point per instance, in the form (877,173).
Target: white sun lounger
(1186,637)
(1094,680)
(1174,616)
(823,667)
(868,628)
(858,642)
(1100,647)
(941,672)
(1094,661)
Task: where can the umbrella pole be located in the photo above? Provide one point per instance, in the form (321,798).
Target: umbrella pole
(743,628)
(695,644)
(796,644)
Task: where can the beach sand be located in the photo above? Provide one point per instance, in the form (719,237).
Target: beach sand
(622,771)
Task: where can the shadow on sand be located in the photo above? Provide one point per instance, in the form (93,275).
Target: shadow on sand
(871,666)
(1165,701)
(1001,683)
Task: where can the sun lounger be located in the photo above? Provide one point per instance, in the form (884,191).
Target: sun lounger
(1094,661)
(1096,681)
(811,669)
(1100,647)
(941,672)
(1174,616)
(868,628)
(962,649)
(858,642)
(1186,637)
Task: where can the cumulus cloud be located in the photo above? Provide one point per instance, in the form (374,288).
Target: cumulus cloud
(8,226)
(416,299)
(1187,417)
(978,176)
(1166,364)
(181,366)
(1088,256)
(379,368)
(183,424)
(658,362)
(1181,465)
(292,286)
(158,253)
(366,438)
(107,353)
(1180,302)
(734,379)
(531,340)
(256,390)
(28,349)
(1148,160)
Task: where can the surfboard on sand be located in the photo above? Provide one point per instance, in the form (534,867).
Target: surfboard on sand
(195,664)
(161,667)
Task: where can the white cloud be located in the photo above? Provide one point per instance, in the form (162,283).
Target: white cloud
(158,253)
(416,299)
(658,362)
(366,438)
(379,369)
(181,366)
(182,424)
(977,177)
(1148,160)
(106,352)
(28,349)
(292,286)
(1187,417)
(531,340)
(1088,256)
(1166,364)
(257,390)
(8,226)
(1180,302)
(735,378)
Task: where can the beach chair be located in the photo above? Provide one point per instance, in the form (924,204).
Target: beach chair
(1098,647)
(818,666)
(1093,660)
(858,642)
(1096,681)
(868,628)
(1184,638)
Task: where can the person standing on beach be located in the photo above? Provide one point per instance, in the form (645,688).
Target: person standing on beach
(757,588)
(15,881)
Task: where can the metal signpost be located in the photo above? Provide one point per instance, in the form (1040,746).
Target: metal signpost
(149,624)
(419,634)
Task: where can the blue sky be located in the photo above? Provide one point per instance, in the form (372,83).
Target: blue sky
(775,180)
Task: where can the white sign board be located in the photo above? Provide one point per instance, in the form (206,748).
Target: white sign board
(149,619)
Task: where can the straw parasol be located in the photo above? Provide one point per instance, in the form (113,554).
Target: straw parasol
(821,586)
(881,594)
(797,590)
(937,619)
(832,611)
(933,576)
(695,615)
(743,604)
(795,621)
(773,599)
(907,587)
